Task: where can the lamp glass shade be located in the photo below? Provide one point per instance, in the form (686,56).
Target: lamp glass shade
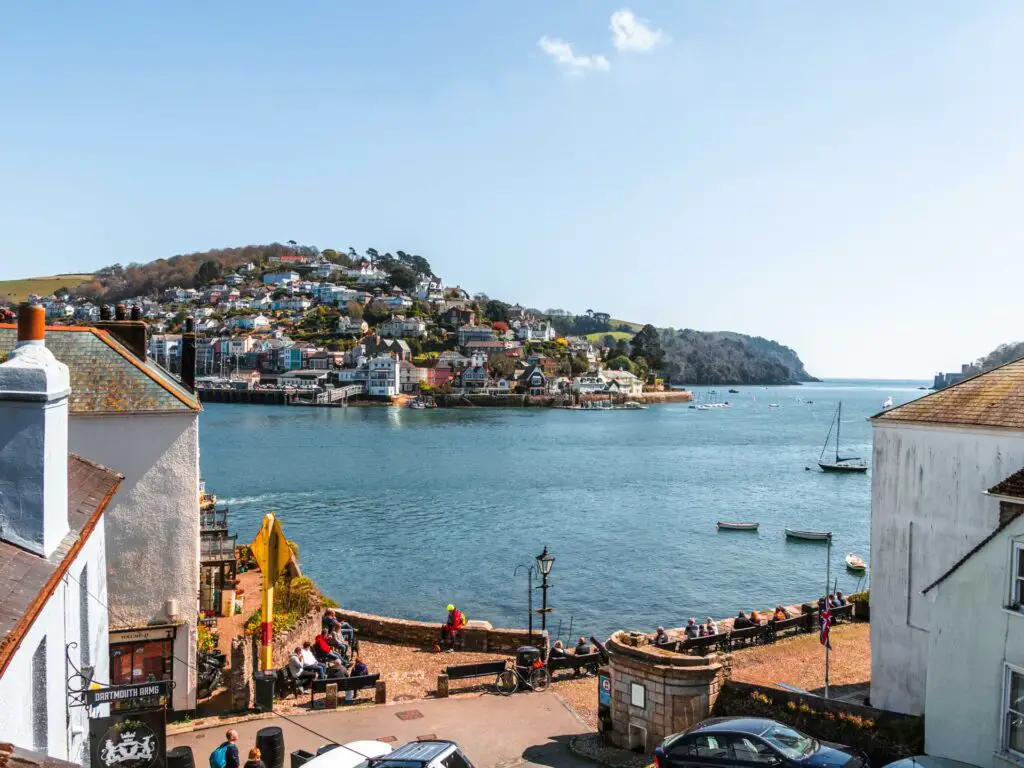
(545,561)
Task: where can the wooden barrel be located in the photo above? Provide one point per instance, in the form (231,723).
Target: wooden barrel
(270,741)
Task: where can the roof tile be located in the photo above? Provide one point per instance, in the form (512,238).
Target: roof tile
(105,376)
(991,399)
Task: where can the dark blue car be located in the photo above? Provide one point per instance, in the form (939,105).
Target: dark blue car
(751,742)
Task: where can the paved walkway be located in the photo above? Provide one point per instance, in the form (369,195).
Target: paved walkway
(493,731)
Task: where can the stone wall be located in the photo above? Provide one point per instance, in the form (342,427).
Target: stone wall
(478,635)
(656,693)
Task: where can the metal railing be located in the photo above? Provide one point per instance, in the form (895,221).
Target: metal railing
(213,520)
(219,548)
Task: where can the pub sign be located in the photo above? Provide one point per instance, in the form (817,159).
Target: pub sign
(129,740)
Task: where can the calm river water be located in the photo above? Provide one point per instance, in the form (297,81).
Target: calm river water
(400,512)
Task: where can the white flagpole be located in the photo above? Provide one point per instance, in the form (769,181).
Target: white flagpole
(828,580)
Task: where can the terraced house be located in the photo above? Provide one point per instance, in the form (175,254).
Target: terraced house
(127,412)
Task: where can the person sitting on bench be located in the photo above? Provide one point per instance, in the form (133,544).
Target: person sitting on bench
(298,670)
(558,650)
(451,628)
(322,648)
(781,614)
(710,627)
(359,669)
(660,638)
(742,622)
(692,629)
(583,647)
(309,661)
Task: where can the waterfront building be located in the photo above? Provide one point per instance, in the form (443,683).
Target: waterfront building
(410,377)
(533,381)
(128,412)
(590,384)
(623,383)
(375,345)
(977,644)
(383,376)
(303,379)
(53,595)
(933,459)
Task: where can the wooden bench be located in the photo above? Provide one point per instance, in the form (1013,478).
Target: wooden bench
(702,646)
(843,613)
(344,684)
(791,626)
(479,669)
(749,636)
(578,664)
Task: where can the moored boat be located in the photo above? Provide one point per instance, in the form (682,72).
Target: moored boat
(840,465)
(856,563)
(724,526)
(796,533)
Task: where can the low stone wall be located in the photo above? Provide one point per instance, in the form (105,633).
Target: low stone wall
(478,635)
(884,736)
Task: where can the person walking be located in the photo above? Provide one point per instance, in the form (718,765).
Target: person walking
(226,755)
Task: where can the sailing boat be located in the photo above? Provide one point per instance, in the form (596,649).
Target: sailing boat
(851,464)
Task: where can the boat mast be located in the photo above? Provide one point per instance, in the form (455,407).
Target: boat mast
(839,421)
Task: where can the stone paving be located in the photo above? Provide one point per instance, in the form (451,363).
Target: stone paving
(494,731)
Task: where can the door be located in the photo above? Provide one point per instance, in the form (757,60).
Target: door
(752,752)
(700,750)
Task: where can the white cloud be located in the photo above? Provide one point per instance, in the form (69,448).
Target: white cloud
(561,52)
(632,34)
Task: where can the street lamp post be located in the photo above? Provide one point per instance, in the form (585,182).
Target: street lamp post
(544,563)
(529,594)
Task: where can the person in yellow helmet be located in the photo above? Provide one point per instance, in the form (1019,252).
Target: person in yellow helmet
(451,628)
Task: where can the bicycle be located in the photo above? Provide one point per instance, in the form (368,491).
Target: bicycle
(535,677)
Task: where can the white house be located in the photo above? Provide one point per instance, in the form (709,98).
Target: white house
(623,382)
(352,326)
(129,413)
(164,346)
(53,597)
(974,703)
(590,384)
(250,323)
(535,331)
(400,327)
(383,376)
(933,459)
(280,278)
(410,376)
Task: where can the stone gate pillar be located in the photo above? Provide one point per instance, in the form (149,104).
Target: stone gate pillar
(655,692)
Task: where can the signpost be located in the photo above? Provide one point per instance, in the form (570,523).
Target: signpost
(272,553)
(129,740)
(159,690)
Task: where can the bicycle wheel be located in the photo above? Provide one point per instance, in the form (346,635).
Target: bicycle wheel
(506,682)
(540,679)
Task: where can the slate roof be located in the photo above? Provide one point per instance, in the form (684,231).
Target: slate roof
(26,579)
(105,376)
(991,399)
(1011,486)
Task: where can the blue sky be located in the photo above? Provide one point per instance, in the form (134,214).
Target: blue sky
(842,177)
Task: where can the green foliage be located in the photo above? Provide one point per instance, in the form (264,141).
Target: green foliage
(205,641)
(402,276)
(578,365)
(1002,354)
(620,363)
(208,271)
(647,344)
(722,357)
(424,387)
(501,366)
(496,311)
(376,312)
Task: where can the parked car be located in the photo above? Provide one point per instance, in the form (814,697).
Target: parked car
(354,754)
(750,742)
(426,754)
(927,761)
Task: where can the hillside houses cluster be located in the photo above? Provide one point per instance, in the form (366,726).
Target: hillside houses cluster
(253,329)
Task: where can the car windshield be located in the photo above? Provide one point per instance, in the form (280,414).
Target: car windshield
(792,744)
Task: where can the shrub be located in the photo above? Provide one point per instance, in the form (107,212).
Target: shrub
(205,641)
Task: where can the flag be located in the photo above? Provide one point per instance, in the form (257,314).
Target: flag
(827,620)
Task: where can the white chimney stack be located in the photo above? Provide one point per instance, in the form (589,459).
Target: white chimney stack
(34,389)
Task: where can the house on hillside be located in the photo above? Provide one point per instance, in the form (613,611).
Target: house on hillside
(400,327)
(410,377)
(454,318)
(128,412)
(280,278)
(539,330)
(352,326)
(623,383)
(976,644)
(383,376)
(933,460)
(533,381)
(53,555)
(469,333)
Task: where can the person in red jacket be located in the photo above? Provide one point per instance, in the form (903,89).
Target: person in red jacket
(322,647)
(451,628)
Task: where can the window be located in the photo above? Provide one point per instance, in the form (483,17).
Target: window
(40,726)
(1017,594)
(1013,735)
(85,653)
(455,760)
(637,695)
(749,749)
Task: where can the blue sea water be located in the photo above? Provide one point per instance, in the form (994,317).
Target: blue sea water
(400,512)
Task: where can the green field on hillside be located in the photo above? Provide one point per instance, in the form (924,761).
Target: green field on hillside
(632,326)
(19,290)
(599,337)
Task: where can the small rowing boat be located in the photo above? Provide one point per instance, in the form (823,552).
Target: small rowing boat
(723,526)
(793,533)
(856,563)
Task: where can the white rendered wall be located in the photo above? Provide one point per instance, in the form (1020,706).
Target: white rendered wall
(928,509)
(152,524)
(59,623)
(973,637)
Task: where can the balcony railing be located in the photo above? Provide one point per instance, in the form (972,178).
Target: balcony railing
(217,549)
(213,520)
